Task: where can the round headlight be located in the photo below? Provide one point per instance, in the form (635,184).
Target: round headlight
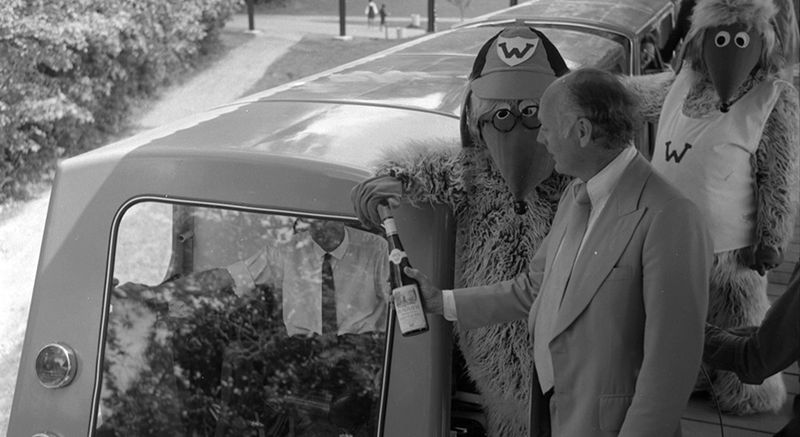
(56,365)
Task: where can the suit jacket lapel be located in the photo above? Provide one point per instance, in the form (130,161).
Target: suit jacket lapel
(605,243)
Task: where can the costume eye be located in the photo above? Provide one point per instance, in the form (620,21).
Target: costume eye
(722,38)
(742,40)
(504,120)
(530,117)
(502,114)
(529,111)
(526,103)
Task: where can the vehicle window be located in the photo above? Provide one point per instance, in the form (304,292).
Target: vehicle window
(580,48)
(224,322)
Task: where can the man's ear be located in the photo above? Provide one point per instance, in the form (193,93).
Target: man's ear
(584,130)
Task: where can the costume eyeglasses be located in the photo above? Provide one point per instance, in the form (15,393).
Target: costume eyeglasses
(505,119)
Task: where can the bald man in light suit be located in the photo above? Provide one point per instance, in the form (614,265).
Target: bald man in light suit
(616,301)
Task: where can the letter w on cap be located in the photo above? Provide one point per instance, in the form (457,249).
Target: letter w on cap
(515,50)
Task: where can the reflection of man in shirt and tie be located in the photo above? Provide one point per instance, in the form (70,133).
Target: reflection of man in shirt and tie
(327,273)
(333,279)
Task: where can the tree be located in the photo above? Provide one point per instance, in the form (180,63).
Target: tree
(70,69)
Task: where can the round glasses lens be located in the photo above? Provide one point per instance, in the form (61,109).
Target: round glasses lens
(530,117)
(504,120)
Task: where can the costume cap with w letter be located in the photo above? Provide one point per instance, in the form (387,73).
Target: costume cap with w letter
(518,64)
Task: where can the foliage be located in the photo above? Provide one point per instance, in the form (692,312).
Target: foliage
(228,368)
(70,69)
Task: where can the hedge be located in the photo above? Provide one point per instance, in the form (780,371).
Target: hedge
(71,69)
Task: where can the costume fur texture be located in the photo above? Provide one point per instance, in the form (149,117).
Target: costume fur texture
(493,244)
(738,294)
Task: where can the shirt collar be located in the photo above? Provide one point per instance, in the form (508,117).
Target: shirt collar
(600,186)
(340,250)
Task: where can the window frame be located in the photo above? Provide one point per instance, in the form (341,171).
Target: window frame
(188,203)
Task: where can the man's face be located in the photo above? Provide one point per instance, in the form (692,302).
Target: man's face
(558,131)
(327,233)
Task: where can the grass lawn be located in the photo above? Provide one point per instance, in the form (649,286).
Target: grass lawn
(317,53)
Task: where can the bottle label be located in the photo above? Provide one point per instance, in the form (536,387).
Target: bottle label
(396,255)
(408,305)
(389,226)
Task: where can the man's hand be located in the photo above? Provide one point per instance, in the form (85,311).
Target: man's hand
(368,194)
(764,258)
(431,294)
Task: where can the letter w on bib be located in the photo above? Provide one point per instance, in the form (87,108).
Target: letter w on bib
(672,154)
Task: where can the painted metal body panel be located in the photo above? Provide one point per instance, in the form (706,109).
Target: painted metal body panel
(89,195)
(296,148)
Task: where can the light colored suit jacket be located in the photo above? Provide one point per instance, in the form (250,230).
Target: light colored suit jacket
(629,335)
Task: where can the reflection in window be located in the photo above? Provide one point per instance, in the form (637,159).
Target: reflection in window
(257,325)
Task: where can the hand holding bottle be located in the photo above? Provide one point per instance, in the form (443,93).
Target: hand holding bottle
(431,295)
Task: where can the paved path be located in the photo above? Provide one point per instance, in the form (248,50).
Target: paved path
(237,71)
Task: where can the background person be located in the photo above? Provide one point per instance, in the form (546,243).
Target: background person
(371,11)
(383,14)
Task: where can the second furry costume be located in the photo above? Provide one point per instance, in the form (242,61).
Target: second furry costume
(728,139)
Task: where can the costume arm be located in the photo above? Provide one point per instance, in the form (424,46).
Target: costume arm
(430,173)
(676,260)
(777,164)
(652,91)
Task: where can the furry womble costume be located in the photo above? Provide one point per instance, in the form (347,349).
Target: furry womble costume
(728,139)
(500,184)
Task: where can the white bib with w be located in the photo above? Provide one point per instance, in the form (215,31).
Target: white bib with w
(708,159)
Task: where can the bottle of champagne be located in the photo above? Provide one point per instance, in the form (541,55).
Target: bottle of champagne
(405,290)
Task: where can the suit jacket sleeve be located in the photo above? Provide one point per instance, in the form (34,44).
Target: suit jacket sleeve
(756,353)
(676,260)
(504,301)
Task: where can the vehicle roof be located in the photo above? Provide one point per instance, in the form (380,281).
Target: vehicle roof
(319,134)
(351,115)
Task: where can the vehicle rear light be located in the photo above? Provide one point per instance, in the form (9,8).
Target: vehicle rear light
(56,365)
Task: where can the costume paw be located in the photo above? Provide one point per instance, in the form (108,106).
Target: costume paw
(741,399)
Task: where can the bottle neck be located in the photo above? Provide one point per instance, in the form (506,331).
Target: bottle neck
(389,226)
